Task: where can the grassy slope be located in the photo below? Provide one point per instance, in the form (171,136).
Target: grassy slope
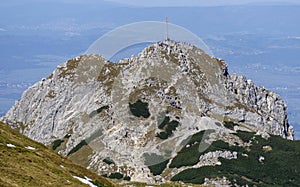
(40,167)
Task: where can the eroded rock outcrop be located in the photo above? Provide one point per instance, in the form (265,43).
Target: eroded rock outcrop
(141,111)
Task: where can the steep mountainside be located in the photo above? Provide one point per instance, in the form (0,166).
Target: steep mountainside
(136,118)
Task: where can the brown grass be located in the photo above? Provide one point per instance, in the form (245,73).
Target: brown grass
(40,167)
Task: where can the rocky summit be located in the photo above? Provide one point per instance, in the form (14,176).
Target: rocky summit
(137,118)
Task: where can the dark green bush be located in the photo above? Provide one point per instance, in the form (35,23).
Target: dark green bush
(245,136)
(189,156)
(186,157)
(279,168)
(108,161)
(102,108)
(230,125)
(98,183)
(164,123)
(139,109)
(95,135)
(168,127)
(195,175)
(157,169)
(56,144)
(77,147)
(116,175)
(162,135)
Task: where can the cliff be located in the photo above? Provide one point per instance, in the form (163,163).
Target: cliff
(131,116)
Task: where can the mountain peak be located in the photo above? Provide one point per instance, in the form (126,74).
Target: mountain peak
(140,112)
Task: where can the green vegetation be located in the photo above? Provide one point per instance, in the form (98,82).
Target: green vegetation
(59,142)
(245,136)
(116,175)
(98,183)
(230,125)
(102,108)
(41,166)
(157,169)
(85,142)
(156,163)
(280,166)
(127,178)
(186,157)
(162,135)
(168,127)
(189,155)
(77,147)
(56,144)
(108,161)
(139,109)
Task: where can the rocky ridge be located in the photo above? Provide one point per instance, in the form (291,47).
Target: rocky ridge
(141,111)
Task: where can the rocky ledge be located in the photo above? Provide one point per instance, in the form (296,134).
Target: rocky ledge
(128,116)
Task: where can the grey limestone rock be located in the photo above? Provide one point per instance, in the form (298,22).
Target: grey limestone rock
(93,101)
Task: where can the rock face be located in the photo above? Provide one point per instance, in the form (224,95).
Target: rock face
(128,116)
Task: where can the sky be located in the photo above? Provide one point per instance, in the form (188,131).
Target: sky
(158,3)
(184,3)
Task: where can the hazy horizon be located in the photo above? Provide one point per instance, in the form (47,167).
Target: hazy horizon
(260,42)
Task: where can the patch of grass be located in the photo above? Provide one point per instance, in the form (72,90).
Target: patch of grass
(40,167)
(98,183)
(139,109)
(109,71)
(70,66)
